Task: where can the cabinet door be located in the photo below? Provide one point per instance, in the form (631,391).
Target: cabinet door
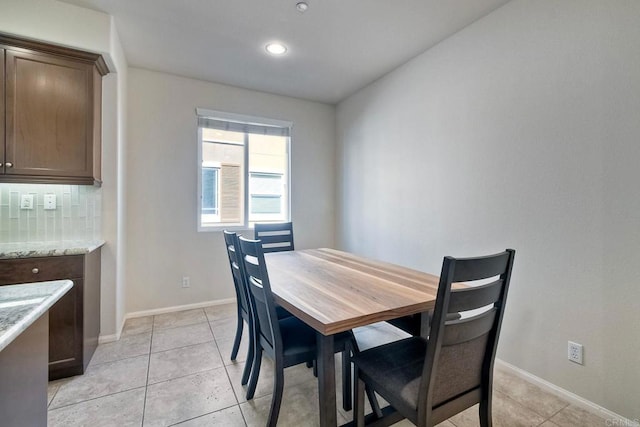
(49,115)
(65,333)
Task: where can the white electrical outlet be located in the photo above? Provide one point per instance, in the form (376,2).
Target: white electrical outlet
(49,202)
(26,201)
(186,282)
(575,352)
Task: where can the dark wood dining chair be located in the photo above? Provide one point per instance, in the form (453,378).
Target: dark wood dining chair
(275,237)
(428,380)
(243,303)
(244,312)
(288,341)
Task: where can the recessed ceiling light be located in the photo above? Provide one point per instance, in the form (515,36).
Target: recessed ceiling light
(276,48)
(302,6)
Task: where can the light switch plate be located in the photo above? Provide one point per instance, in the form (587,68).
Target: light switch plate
(26,201)
(49,202)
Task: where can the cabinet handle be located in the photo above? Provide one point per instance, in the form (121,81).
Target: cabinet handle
(0,164)
(35,270)
(8,164)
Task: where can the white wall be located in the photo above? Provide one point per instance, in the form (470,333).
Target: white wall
(56,22)
(67,25)
(162,239)
(114,127)
(519,131)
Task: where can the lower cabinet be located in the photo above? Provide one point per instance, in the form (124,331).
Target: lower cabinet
(74,321)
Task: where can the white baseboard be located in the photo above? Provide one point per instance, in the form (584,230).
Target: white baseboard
(103,339)
(572,398)
(164,310)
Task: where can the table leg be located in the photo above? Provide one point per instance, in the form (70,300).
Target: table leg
(326,381)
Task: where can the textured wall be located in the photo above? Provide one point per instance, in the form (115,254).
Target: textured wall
(520,130)
(163,243)
(77,217)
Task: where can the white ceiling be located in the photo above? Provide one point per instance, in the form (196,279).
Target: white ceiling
(335,48)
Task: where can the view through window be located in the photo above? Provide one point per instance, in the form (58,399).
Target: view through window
(244,173)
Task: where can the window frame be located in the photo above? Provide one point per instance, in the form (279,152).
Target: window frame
(246,119)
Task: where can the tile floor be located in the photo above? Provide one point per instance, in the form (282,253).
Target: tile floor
(174,369)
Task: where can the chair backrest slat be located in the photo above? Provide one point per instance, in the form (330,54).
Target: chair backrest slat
(468,269)
(275,237)
(475,297)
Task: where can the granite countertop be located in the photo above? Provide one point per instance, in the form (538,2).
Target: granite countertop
(21,305)
(41,249)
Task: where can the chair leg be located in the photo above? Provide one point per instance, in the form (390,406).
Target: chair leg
(371,396)
(485,412)
(373,401)
(346,379)
(255,372)
(315,368)
(276,400)
(358,401)
(249,361)
(236,341)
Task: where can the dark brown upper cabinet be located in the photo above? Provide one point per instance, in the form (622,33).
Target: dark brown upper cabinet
(51,99)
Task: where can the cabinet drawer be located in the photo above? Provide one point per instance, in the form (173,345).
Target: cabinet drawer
(24,270)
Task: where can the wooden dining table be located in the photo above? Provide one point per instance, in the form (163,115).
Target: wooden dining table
(334,291)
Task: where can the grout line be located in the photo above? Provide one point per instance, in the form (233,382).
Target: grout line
(93,398)
(146,385)
(204,415)
(558,411)
(227,372)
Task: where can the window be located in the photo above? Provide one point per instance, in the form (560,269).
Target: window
(243,170)
(210,193)
(266,195)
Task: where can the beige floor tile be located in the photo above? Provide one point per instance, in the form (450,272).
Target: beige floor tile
(182,336)
(574,416)
(299,407)
(219,312)
(102,380)
(506,413)
(229,417)
(183,361)
(137,325)
(125,347)
(527,394)
(120,409)
(548,424)
(292,376)
(225,329)
(407,423)
(53,387)
(178,318)
(188,397)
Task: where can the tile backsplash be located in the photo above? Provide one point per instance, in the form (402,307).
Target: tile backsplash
(77,215)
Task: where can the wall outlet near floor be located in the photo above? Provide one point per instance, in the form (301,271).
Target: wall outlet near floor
(26,201)
(186,283)
(575,352)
